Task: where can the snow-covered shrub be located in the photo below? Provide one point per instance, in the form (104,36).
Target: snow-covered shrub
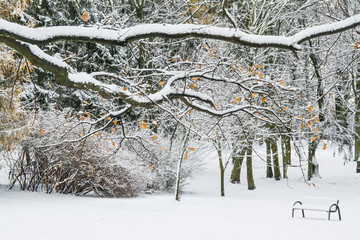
(68,155)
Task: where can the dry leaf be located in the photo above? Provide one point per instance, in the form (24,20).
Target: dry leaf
(191,149)
(161,83)
(125,88)
(324,147)
(85,17)
(313,138)
(186,155)
(192,86)
(41,131)
(152,138)
(82,118)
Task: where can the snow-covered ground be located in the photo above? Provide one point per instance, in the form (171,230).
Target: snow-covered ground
(202,214)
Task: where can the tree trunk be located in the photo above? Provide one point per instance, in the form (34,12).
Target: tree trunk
(313,165)
(275,155)
(357,123)
(222,168)
(236,171)
(269,171)
(286,153)
(249,170)
(178,175)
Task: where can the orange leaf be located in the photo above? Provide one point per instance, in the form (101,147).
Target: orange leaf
(324,147)
(113,144)
(115,122)
(125,88)
(194,79)
(186,155)
(313,138)
(112,131)
(281,82)
(142,125)
(165,149)
(356,45)
(82,118)
(161,83)
(85,17)
(41,131)
(261,75)
(253,95)
(108,118)
(238,99)
(234,101)
(192,86)
(102,100)
(152,138)
(191,149)
(191,111)
(310,108)
(151,167)
(263,99)
(187,59)
(316,130)
(258,66)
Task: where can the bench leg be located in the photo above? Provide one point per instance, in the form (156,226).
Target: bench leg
(292,213)
(329,216)
(339,214)
(303,213)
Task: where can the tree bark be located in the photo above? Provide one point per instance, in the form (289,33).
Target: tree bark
(236,171)
(249,169)
(275,155)
(269,171)
(286,153)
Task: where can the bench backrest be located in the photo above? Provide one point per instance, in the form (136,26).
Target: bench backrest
(319,201)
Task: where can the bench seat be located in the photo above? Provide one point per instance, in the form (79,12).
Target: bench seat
(329,205)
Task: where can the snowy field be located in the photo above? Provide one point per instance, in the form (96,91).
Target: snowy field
(202,214)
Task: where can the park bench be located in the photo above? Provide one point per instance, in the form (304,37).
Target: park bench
(329,205)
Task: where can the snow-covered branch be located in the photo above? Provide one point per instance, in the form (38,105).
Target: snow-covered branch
(120,37)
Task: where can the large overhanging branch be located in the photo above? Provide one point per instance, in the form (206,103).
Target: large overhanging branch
(25,40)
(120,37)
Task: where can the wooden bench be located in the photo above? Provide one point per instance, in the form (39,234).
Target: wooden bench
(329,205)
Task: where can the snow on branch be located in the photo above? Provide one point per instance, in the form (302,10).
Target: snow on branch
(120,37)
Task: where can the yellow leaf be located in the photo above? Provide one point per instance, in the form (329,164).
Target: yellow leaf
(125,88)
(263,99)
(310,108)
(192,86)
(258,66)
(152,138)
(324,147)
(82,118)
(81,134)
(186,155)
(151,167)
(41,131)
(161,83)
(234,101)
(313,138)
(253,95)
(187,59)
(356,45)
(85,17)
(191,149)
(142,125)
(115,122)
(237,99)
(194,79)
